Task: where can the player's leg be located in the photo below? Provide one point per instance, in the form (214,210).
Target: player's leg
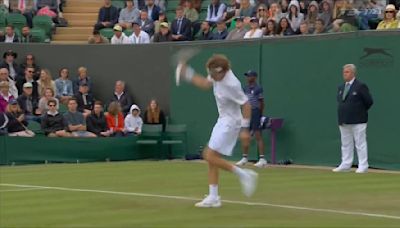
(245,152)
(260,144)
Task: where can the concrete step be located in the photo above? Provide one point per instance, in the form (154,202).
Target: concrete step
(81,23)
(68,37)
(69,42)
(81,16)
(75,30)
(78,9)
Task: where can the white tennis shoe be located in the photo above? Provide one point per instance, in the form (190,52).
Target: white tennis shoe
(209,202)
(242,162)
(249,182)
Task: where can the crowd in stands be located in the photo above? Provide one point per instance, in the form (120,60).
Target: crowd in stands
(29,9)
(66,107)
(146,21)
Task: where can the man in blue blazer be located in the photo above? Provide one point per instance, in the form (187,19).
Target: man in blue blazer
(181,27)
(108,16)
(354,101)
(152,10)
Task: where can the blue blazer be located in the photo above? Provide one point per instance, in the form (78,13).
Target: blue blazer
(186,28)
(354,108)
(155,13)
(114,14)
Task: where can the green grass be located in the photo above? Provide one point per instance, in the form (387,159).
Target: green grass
(375,193)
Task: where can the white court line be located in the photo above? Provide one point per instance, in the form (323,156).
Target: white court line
(197,199)
(20,190)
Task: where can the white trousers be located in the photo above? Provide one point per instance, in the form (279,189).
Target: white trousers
(354,134)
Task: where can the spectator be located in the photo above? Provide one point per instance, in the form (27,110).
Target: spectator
(319,26)
(97,38)
(133,121)
(368,12)
(119,37)
(84,99)
(4,77)
(64,90)
(53,124)
(181,27)
(275,12)
(205,32)
(164,35)
(389,20)
(5,96)
(285,6)
(254,31)
(326,12)
(108,16)
(26,8)
(262,15)
(52,4)
(82,77)
(145,23)
(270,29)
(75,121)
(138,36)
(161,18)
(26,36)
(122,97)
(48,95)
(10,36)
(161,4)
(304,30)
(196,4)
(152,10)
(140,4)
(283,27)
(312,16)
(246,9)
(128,15)
(96,122)
(294,16)
(16,121)
(154,115)
(29,103)
(4,7)
(220,32)
(239,31)
(215,12)
(45,81)
(115,119)
(345,17)
(11,65)
(29,72)
(232,10)
(30,62)
(189,12)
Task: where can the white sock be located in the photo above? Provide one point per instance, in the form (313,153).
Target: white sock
(239,171)
(213,190)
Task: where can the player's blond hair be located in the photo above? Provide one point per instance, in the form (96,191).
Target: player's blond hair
(217,61)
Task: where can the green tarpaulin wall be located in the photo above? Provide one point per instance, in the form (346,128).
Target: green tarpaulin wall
(300,76)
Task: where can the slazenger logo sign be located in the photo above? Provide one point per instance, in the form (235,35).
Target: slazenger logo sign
(376,58)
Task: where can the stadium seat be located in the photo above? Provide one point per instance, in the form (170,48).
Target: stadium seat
(203,14)
(17,20)
(128,32)
(151,136)
(172,5)
(45,23)
(62,108)
(39,35)
(175,134)
(119,4)
(2,20)
(107,32)
(35,127)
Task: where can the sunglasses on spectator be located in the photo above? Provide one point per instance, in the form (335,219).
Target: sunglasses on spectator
(261,9)
(389,11)
(29,71)
(52,105)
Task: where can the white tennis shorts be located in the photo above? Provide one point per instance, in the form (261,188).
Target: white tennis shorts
(224,137)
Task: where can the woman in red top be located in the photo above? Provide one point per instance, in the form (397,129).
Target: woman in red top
(115,119)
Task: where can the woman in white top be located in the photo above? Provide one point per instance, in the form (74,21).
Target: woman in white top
(45,81)
(254,31)
(138,36)
(294,16)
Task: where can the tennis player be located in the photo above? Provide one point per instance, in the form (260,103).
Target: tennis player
(234,119)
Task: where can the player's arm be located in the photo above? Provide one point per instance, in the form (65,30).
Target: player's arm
(188,74)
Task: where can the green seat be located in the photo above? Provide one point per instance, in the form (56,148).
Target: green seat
(3,22)
(107,32)
(172,5)
(203,15)
(118,4)
(62,108)
(175,134)
(128,32)
(171,15)
(45,23)
(38,35)
(35,127)
(151,136)
(17,20)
